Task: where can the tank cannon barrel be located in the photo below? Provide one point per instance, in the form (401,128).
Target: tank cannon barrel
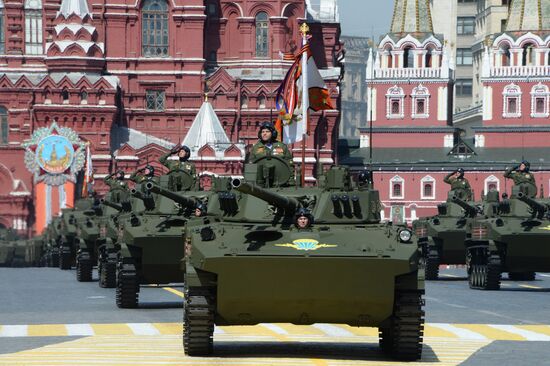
(289,204)
(137,194)
(182,200)
(470,210)
(108,203)
(538,208)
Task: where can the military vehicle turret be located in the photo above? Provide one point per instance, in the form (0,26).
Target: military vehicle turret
(513,237)
(151,241)
(52,238)
(69,225)
(276,253)
(86,240)
(442,237)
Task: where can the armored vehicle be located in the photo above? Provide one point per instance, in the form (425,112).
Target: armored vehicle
(258,263)
(52,237)
(86,240)
(442,237)
(151,241)
(8,237)
(69,225)
(512,236)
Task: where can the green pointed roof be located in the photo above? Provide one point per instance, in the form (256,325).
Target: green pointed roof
(412,16)
(529,15)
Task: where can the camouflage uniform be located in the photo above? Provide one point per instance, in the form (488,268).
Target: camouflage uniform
(261,149)
(525,180)
(117,188)
(114,183)
(177,164)
(460,185)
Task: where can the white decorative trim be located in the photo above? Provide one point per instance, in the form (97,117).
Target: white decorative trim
(511,92)
(397,179)
(540,91)
(395,93)
(420,93)
(491,179)
(427,180)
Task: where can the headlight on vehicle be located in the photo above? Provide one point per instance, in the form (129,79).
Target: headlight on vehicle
(405,235)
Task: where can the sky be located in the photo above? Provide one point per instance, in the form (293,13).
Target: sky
(365,17)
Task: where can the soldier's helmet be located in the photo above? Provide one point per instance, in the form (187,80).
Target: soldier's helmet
(187,152)
(527,165)
(202,207)
(269,126)
(151,170)
(460,172)
(303,212)
(120,175)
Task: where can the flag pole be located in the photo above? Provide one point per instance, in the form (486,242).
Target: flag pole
(304,29)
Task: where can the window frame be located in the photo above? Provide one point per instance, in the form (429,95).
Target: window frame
(459,87)
(155,93)
(261,30)
(462,23)
(540,91)
(149,16)
(425,181)
(397,180)
(34,27)
(460,56)
(395,93)
(420,93)
(511,92)
(4,127)
(491,179)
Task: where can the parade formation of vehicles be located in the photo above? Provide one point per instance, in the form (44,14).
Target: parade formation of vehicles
(265,249)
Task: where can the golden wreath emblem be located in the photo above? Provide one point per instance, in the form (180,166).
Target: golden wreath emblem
(306,245)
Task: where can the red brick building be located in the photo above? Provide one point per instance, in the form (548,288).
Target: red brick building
(413,141)
(130,78)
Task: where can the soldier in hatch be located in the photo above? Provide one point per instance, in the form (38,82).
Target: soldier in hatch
(459,184)
(269,146)
(143,174)
(523,178)
(116,180)
(303,219)
(183,153)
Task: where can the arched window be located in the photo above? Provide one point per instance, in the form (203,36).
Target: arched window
(83,97)
(395,98)
(244,101)
(65,96)
(492,183)
(428,58)
(528,55)
(512,101)
(505,52)
(397,185)
(408,58)
(154,28)
(262,29)
(420,102)
(33,27)
(262,102)
(2,47)
(4,138)
(540,101)
(427,188)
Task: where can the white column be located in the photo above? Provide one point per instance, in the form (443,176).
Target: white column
(487,103)
(398,59)
(442,93)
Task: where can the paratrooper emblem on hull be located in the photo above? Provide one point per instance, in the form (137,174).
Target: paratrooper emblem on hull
(306,245)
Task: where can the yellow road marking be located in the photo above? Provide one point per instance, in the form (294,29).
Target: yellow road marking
(430,331)
(111,329)
(491,333)
(174,291)
(169,328)
(361,331)
(531,286)
(46,330)
(450,275)
(543,329)
(301,330)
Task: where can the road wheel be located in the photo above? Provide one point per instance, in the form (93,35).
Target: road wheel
(65,258)
(198,321)
(403,338)
(127,287)
(432,265)
(84,268)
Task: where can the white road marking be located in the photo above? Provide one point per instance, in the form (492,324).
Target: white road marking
(527,334)
(143,329)
(95,297)
(543,275)
(274,328)
(79,330)
(218,330)
(333,330)
(13,331)
(460,332)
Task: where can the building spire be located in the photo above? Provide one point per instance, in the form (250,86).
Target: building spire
(528,15)
(412,16)
(77,7)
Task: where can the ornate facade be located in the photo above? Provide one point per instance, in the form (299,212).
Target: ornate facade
(414,145)
(130,77)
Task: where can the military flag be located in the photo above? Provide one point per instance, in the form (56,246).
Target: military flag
(88,173)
